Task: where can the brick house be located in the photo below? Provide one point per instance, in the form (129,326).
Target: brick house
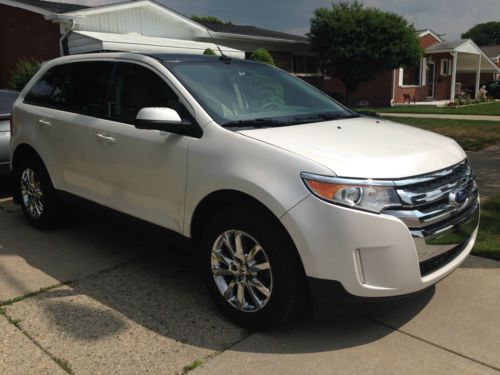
(24,33)
(446,69)
(45,30)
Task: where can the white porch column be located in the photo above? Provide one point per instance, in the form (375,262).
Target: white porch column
(478,75)
(453,75)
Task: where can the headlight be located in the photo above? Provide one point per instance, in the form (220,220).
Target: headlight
(369,195)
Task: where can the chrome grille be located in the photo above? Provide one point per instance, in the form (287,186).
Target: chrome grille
(437,223)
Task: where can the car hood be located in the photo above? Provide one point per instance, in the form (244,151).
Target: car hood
(365,147)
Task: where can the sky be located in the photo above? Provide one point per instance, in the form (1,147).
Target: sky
(450,17)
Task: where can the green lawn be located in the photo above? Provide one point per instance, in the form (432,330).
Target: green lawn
(492,109)
(471,135)
(488,239)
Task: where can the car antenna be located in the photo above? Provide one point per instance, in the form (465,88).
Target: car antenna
(222,57)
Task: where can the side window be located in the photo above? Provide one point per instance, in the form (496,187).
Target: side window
(40,92)
(84,88)
(136,87)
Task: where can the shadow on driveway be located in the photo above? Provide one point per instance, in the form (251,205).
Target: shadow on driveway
(5,187)
(134,271)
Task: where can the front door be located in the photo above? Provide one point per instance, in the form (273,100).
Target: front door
(140,172)
(431,75)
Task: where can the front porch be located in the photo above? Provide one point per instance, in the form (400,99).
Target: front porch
(446,71)
(468,67)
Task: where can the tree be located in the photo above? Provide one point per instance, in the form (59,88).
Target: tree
(22,73)
(209,52)
(356,43)
(210,19)
(263,55)
(484,34)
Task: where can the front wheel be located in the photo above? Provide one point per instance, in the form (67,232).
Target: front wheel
(252,268)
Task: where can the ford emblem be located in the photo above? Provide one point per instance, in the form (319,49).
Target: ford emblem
(458,197)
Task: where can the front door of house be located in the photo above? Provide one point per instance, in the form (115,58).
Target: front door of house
(431,75)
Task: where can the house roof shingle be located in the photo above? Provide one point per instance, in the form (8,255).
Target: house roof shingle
(448,44)
(252,31)
(53,6)
(491,51)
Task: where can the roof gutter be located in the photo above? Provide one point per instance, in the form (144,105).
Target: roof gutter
(65,19)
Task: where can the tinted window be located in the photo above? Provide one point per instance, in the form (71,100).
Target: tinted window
(7,99)
(84,88)
(41,90)
(136,87)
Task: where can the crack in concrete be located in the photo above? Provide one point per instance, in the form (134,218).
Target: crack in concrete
(431,343)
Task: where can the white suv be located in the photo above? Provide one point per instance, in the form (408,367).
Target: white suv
(285,193)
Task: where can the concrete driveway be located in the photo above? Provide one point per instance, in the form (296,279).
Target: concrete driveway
(107,295)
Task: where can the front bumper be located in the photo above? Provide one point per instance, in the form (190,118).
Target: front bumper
(370,255)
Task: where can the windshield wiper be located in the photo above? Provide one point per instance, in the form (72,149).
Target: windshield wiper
(255,123)
(328,116)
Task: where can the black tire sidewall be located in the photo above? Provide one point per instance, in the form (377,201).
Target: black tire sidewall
(288,278)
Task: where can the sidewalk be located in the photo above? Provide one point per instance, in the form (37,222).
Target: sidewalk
(442,116)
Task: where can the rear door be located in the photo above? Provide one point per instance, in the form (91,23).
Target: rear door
(140,172)
(77,102)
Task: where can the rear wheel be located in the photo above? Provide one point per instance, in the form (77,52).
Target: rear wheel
(252,269)
(36,194)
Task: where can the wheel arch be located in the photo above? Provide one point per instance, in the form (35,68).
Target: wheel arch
(222,199)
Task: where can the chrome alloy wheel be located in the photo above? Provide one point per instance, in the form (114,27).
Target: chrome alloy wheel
(31,193)
(242,271)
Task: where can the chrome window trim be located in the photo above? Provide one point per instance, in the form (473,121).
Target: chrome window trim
(346,180)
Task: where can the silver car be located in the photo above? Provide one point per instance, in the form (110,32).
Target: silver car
(7,99)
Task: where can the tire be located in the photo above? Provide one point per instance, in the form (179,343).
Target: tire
(270,282)
(36,194)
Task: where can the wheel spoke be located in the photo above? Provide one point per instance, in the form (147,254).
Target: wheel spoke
(227,241)
(240,295)
(253,295)
(253,252)
(222,272)
(260,267)
(260,287)
(222,259)
(228,293)
(239,246)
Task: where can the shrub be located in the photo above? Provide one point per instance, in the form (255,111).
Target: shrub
(210,52)
(262,55)
(22,73)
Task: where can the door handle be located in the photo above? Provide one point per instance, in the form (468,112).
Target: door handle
(105,139)
(44,124)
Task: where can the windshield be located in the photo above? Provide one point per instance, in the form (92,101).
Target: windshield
(243,94)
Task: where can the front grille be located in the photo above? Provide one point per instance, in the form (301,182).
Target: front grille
(440,226)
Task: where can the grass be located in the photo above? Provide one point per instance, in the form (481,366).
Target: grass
(192,366)
(471,135)
(488,238)
(491,109)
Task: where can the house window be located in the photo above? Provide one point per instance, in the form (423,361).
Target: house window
(445,67)
(306,65)
(411,76)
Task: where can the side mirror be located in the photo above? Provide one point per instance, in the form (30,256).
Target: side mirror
(163,119)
